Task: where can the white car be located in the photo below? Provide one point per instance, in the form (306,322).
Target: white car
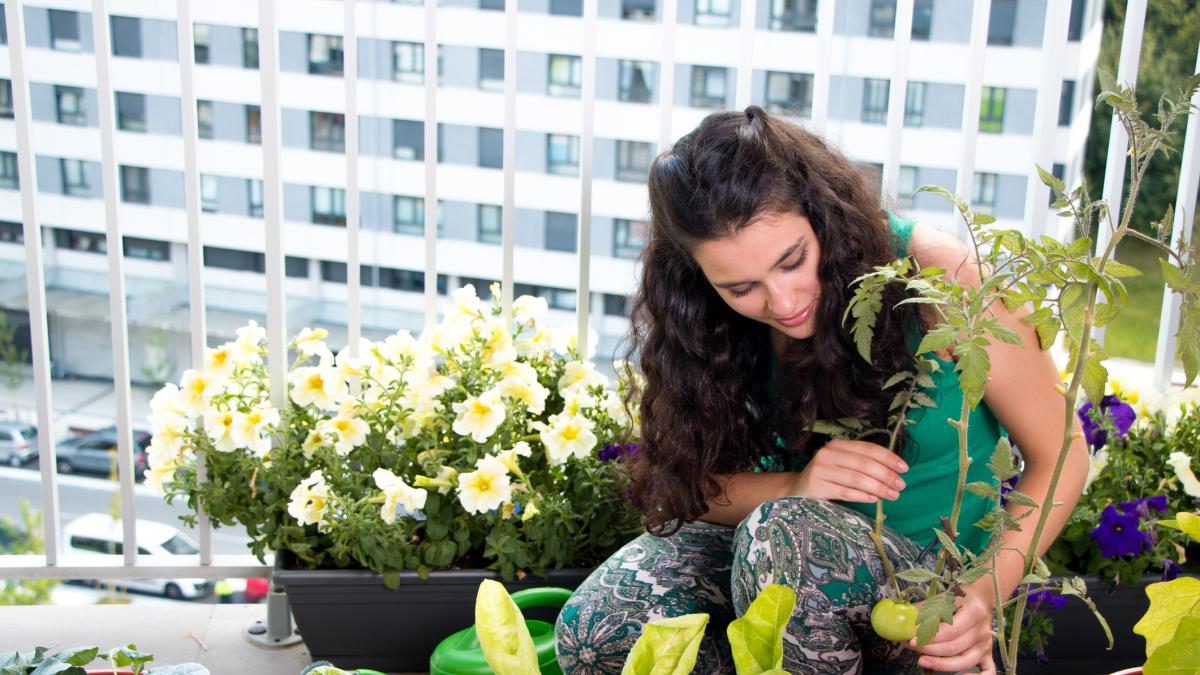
(98,533)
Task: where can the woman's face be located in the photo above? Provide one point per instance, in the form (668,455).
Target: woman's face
(767,271)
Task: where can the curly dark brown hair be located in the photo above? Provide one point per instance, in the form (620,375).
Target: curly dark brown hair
(706,408)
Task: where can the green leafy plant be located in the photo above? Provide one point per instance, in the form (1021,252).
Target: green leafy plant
(41,661)
(665,647)
(24,539)
(485,442)
(1172,624)
(1070,291)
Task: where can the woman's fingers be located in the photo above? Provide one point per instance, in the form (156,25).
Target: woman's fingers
(872,451)
(863,482)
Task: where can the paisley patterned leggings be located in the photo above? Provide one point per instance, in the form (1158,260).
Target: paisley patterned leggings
(821,549)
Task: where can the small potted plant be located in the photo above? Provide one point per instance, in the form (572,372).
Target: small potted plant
(125,660)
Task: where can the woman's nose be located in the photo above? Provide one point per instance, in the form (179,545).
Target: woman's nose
(781,302)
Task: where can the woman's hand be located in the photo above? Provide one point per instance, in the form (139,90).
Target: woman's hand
(966,643)
(851,471)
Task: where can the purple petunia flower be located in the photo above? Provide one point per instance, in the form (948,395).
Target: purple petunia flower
(1047,597)
(1142,507)
(1118,534)
(1171,569)
(615,451)
(1007,485)
(1119,414)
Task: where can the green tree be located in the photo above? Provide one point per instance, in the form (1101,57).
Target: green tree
(1169,41)
(24,539)
(12,358)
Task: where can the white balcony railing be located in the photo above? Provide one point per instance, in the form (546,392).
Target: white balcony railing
(55,564)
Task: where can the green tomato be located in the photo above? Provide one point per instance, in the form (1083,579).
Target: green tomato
(894,620)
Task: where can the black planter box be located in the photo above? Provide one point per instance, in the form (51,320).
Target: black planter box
(1078,643)
(350,618)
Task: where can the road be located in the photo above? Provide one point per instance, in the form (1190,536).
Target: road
(78,495)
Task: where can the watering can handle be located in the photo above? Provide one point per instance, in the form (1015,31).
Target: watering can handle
(545,596)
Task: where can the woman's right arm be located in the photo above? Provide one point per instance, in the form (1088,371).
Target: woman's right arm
(848,471)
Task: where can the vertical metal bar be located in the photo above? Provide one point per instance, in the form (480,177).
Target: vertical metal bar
(508,213)
(116,277)
(1118,139)
(666,74)
(745,71)
(431,158)
(965,180)
(897,90)
(268,66)
(191,200)
(820,107)
(350,78)
(1185,203)
(1045,122)
(587,143)
(35,283)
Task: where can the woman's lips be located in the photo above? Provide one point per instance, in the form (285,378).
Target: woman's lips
(798,318)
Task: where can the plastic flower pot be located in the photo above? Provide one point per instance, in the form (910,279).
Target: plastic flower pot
(460,654)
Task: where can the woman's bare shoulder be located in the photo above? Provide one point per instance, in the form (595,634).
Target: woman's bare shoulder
(932,247)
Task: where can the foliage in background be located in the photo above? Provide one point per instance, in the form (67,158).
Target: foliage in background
(24,539)
(13,360)
(41,661)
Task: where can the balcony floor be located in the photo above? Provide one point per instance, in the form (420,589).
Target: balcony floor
(161,629)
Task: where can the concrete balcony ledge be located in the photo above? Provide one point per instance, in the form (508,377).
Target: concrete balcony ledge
(212,635)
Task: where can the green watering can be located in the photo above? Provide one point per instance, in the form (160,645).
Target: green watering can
(460,654)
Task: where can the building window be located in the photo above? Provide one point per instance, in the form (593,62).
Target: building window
(146,249)
(906,186)
(131,111)
(789,94)
(616,305)
(491,69)
(914,104)
(254,125)
(629,238)
(560,231)
(8,170)
(713,12)
(126,36)
(328,206)
(254,188)
(922,20)
(1066,103)
(633,161)
(882,20)
(408,62)
(562,154)
(1001,22)
(490,224)
(638,10)
(69,101)
(200,39)
(497,5)
(875,101)
(231,259)
(74,178)
(3,31)
(983,193)
(208,193)
(6,101)
(327,131)
(294,267)
(250,48)
(13,233)
(204,119)
(794,15)
(491,148)
(409,215)
(135,184)
(708,87)
(408,140)
(566,75)
(566,7)
(325,54)
(991,110)
(64,31)
(333,271)
(84,242)
(635,79)
(1075,22)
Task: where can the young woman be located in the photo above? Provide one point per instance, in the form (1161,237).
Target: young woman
(758,229)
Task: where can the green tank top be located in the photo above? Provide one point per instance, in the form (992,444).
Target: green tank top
(932,454)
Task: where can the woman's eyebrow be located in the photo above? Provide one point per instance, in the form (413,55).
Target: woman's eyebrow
(786,254)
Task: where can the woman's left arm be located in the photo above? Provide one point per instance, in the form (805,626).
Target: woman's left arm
(1021,392)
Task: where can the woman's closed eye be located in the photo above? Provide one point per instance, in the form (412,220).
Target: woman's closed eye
(787,268)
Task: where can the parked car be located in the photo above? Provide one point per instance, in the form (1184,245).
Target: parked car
(18,443)
(98,533)
(97,452)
